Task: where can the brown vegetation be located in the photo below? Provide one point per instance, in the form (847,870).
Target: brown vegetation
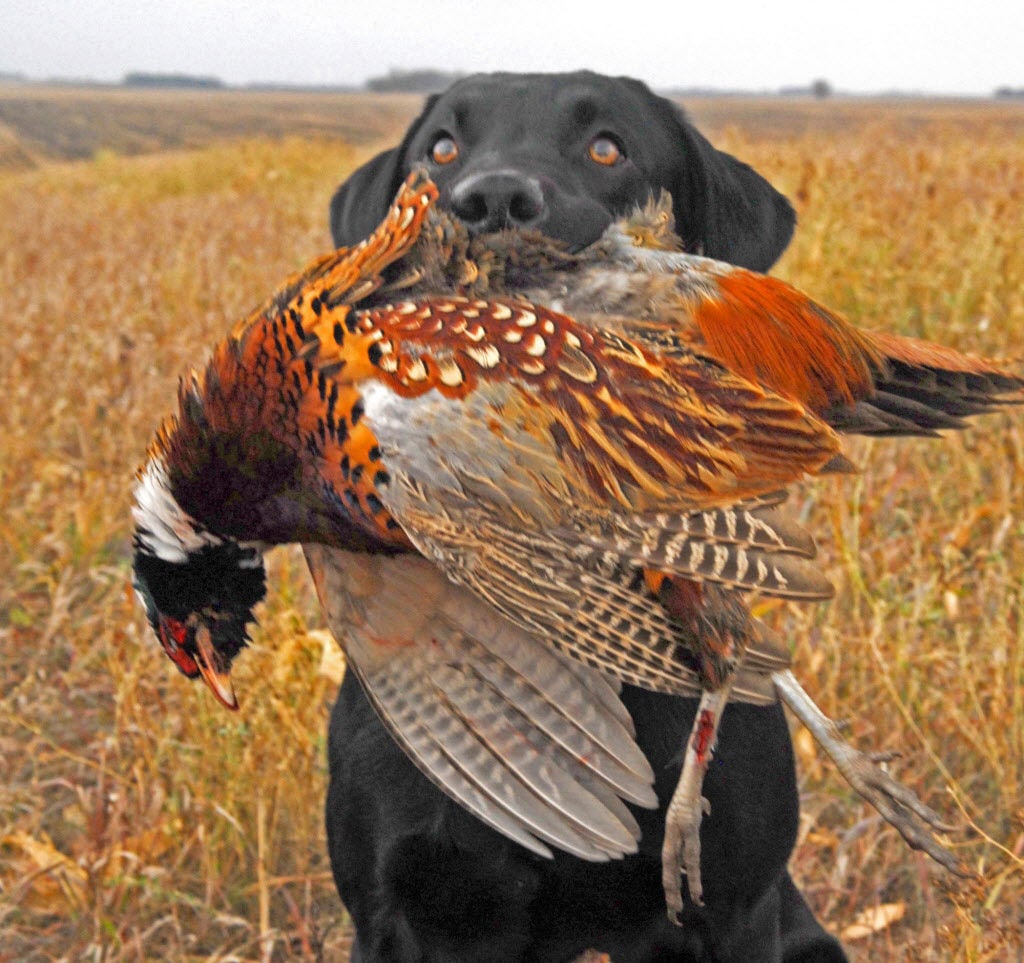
(67,123)
(138,820)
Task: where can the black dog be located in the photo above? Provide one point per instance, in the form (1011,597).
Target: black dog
(421,878)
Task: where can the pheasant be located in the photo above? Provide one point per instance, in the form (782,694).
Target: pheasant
(498,454)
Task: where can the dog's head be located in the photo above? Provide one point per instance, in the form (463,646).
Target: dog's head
(566,154)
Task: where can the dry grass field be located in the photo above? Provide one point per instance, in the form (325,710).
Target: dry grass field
(140,821)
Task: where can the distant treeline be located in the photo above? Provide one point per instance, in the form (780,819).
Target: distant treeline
(139,79)
(412,81)
(429,81)
(395,81)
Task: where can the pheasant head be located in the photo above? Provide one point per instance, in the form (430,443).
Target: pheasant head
(198,588)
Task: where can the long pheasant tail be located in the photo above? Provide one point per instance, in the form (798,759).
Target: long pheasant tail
(937,358)
(960,384)
(868,382)
(920,388)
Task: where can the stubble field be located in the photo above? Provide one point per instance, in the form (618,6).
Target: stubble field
(138,820)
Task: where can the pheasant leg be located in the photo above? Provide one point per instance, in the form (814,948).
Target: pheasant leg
(681,849)
(897,804)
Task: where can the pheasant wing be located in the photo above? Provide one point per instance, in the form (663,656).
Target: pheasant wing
(537,746)
(592,605)
(503,384)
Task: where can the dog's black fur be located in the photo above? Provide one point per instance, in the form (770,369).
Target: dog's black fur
(421,878)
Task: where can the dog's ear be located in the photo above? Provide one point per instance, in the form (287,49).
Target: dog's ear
(724,209)
(362,200)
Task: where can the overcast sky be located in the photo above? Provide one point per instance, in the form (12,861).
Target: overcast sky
(967,47)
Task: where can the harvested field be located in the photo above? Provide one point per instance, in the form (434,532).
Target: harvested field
(140,821)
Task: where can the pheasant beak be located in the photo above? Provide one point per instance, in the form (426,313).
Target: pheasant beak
(209,664)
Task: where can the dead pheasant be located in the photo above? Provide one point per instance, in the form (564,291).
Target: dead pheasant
(496,451)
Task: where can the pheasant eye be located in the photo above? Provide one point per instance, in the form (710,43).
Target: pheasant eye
(444,151)
(605,151)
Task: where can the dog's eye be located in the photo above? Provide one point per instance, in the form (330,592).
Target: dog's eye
(444,151)
(603,150)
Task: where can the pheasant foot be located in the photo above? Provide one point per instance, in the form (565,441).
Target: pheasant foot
(681,848)
(898,805)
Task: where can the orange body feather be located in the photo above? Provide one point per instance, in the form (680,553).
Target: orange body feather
(772,334)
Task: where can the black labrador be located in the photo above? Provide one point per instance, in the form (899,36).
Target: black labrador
(422,879)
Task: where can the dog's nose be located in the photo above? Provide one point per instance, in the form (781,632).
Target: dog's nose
(497,199)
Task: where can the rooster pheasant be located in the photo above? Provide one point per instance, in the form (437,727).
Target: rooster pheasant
(498,454)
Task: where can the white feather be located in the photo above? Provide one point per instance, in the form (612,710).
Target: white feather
(164,527)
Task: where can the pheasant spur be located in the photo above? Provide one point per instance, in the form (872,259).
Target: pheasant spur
(522,475)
